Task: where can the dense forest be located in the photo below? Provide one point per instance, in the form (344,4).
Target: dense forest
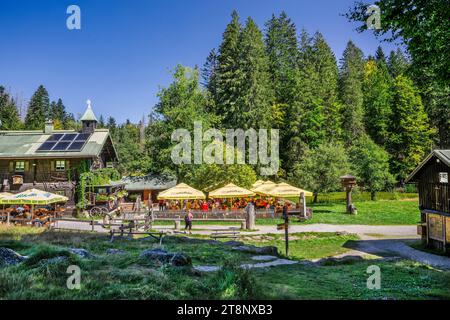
(375,116)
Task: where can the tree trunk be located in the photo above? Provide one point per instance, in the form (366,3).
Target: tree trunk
(315,197)
(373,195)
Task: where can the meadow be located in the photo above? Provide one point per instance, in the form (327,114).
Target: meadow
(127,276)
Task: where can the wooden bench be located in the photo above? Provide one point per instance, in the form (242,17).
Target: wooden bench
(131,227)
(231,233)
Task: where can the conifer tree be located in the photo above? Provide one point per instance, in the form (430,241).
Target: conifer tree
(411,134)
(326,88)
(229,79)
(9,115)
(38,109)
(377,101)
(351,93)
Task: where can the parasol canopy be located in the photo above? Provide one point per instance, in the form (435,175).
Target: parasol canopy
(181,191)
(257,184)
(230,191)
(264,188)
(33,196)
(5,194)
(284,190)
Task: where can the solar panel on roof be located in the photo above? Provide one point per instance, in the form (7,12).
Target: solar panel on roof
(47,146)
(69,136)
(55,137)
(61,146)
(65,142)
(76,146)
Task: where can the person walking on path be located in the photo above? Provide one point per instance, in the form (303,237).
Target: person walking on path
(188,221)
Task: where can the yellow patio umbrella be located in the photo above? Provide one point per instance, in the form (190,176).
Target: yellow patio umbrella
(230,191)
(257,183)
(181,191)
(264,188)
(5,194)
(33,197)
(284,190)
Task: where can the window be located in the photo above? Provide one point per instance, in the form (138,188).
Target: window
(60,165)
(20,166)
(443,177)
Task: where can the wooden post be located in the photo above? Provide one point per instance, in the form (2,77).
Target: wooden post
(286,233)
(251,217)
(8,218)
(303,204)
(349,199)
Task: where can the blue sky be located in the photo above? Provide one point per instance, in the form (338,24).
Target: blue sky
(125,49)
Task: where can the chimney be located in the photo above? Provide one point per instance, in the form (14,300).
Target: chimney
(48,127)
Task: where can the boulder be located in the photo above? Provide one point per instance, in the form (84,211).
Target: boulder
(269,250)
(233,243)
(114,252)
(180,260)
(162,256)
(9,257)
(82,253)
(53,261)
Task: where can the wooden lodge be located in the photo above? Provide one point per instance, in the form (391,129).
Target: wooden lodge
(432,179)
(48,159)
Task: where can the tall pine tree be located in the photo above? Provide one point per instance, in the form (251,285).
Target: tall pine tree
(228,78)
(38,109)
(377,101)
(351,92)
(9,115)
(256,96)
(411,134)
(326,87)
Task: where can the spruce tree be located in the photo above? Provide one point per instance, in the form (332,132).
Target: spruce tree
(256,96)
(282,51)
(229,79)
(397,63)
(9,115)
(326,88)
(58,111)
(38,109)
(351,93)
(410,137)
(377,101)
(305,117)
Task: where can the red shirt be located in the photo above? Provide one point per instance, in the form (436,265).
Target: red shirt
(204,206)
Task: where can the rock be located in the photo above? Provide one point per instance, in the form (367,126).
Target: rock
(206,268)
(180,260)
(162,256)
(270,250)
(264,258)
(53,261)
(114,252)
(9,257)
(156,255)
(274,263)
(233,243)
(82,253)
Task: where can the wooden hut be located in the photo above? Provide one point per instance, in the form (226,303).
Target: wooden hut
(432,179)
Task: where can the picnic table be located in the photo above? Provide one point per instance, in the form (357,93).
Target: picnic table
(232,233)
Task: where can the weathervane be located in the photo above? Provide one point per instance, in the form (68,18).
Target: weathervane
(88,103)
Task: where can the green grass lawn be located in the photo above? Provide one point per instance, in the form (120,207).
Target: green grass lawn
(383,212)
(127,277)
(308,245)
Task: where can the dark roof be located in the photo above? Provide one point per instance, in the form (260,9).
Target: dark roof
(24,144)
(149,182)
(443,155)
